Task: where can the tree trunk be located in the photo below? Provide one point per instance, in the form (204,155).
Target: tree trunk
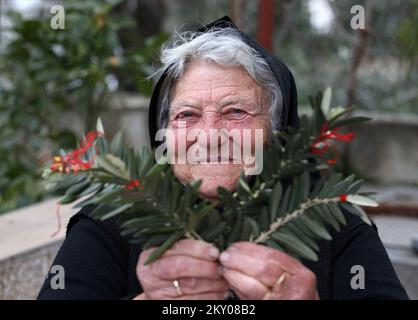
(236,8)
(265,23)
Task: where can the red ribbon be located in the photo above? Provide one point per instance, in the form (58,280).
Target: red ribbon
(73,161)
(58,214)
(324,142)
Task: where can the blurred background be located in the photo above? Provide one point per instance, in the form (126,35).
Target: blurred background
(55,83)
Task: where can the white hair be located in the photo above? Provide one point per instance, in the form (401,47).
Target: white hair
(224,47)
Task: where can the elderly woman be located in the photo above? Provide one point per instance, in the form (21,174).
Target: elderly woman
(219,78)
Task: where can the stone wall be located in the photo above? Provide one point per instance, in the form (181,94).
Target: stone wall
(27,247)
(386,148)
(22,276)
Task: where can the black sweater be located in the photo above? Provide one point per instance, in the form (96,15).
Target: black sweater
(100,264)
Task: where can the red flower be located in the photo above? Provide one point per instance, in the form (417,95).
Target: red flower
(132,184)
(324,142)
(73,161)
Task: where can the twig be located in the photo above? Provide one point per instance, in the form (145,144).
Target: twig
(287,217)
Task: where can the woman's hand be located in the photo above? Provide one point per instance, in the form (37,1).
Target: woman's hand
(193,264)
(259,272)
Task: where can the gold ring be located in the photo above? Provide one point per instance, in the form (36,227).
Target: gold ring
(177,286)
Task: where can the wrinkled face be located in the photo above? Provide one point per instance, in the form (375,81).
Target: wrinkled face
(209,97)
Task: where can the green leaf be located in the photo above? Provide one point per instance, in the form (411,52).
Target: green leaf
(131,163)
(174,197)
(116,211)
(356,210)
(263,219)
(323,211)
(107,192)
(317,188)
(273,244)
(155,240)
(348,121)
(157,230)
(244,185)
(246,230)
(164,247)
(255,230)
(293,244)
(68,180)
(101,145)
(362,201)
(113,165)
(275,200)
(149,221)
(337,213)
(329,184)
(297,230)
(116,143)
(334,113)
(305,186)
(99,126)
(294,199)
(196,217)
(326,100)
(285,202)
(235,233)
(78,188)
(146,163)
(155,170)
(315,227)
(339,112)
(211,233)
(228,199)
(68,199)
(341,187)
(92,188)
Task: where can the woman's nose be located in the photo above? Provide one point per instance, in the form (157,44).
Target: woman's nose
(212,129)
(211,118)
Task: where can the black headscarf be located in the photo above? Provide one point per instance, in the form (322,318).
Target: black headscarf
(281,72)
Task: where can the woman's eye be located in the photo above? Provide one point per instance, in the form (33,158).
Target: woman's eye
(237,111)
(184,115)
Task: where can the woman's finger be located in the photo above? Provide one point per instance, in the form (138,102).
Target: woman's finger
(266,271)
(245,284)
(194,248)
(287,263)
(179,266)
(190,286)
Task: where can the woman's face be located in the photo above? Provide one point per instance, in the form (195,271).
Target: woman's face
(206,99)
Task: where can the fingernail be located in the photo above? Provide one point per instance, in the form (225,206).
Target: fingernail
(232,248)
(213,253)
(224,256)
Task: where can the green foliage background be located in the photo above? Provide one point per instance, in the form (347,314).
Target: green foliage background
(46,72)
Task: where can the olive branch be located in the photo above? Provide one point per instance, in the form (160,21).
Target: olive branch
(282,207)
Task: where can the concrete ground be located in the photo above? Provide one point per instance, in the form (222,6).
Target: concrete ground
(399,232)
